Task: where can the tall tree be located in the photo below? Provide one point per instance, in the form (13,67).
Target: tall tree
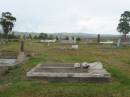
(124,26)
(7,21)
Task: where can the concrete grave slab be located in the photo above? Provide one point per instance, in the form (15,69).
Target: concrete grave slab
(67,72)
(7,62)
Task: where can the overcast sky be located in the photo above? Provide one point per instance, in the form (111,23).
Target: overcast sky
(90,16)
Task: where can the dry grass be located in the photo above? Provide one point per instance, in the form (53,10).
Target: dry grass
(116,60)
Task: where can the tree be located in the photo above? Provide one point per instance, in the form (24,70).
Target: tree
(78,39)
(67,38)
(124,26)
(7,22)
(35,37)
(50,37)
(43,36)
(30,36)
(57,38)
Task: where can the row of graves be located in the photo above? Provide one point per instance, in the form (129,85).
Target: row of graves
(69,44)
(118,41)
(8,62)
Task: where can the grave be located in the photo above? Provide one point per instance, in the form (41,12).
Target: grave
(70,72)
(75,47)
(6,64)
(121,42)
(48,41)
(107,42)
(69,44)
(9,63)
(21,56)
(69,41)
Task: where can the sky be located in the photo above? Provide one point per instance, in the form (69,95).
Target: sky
(87,16)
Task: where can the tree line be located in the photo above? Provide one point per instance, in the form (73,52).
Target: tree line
(7,22)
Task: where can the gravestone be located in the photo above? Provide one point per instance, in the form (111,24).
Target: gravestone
(48,41)
(119,42)
(75,47)
(98,38)
(21,57)
(69,41)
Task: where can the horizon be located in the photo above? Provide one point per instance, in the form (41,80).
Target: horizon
(100,17)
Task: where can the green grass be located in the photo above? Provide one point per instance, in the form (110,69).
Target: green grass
(115,60)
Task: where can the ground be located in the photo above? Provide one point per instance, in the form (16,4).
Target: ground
(115,60)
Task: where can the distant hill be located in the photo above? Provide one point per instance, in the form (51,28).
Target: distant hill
(66,34)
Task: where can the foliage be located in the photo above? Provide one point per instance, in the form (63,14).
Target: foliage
(50,37)
(7,22)
(43,36)
(78,39)
(124,26)
(67,38)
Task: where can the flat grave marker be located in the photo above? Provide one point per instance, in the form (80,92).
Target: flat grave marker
(70,72)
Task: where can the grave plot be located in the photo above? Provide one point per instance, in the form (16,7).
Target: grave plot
(69,47)
(70,72)
(9,60)
(6,64)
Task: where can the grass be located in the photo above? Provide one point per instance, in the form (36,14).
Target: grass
(115,60)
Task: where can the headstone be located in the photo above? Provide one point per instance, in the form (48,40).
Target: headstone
(69,41)
(75,47)
(98,38)
(21,57)
(119,42)
(48,44)
(74,40)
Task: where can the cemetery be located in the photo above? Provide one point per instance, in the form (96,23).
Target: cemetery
(85,65)
(59,69)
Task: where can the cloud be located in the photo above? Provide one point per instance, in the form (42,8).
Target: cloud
(90,16)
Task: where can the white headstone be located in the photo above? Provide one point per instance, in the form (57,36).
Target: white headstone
(119,42)
(75,47)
